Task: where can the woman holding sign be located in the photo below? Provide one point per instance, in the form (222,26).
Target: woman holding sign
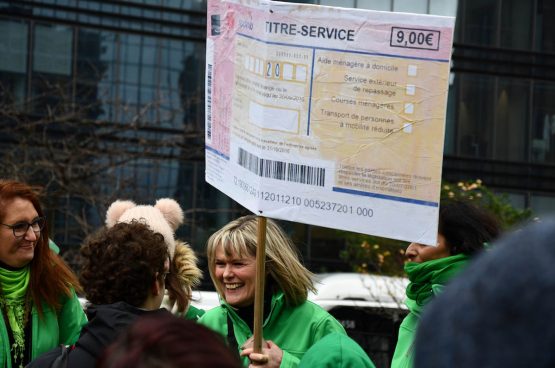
(291,323)
(463,230)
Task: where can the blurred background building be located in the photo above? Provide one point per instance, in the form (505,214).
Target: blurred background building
(116,57)
(117,89)
(119,56)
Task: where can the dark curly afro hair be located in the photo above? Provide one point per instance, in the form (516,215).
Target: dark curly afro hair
(120,263)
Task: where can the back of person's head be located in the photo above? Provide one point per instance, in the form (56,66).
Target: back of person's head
(161,340)
(465,226)
(498,312)
(239,238)
(336,350)
(164,218)
(120,263)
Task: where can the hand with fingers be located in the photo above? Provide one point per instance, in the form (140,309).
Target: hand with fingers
(269,358)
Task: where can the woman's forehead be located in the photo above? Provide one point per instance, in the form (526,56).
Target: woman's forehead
(226,250)
(20,209)
(231,250)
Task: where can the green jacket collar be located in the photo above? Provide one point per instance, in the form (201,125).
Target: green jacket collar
(277,303)
(428,278)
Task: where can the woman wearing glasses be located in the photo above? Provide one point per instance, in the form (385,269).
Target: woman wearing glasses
(39,307)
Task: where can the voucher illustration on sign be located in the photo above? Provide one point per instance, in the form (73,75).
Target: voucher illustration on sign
(328,116)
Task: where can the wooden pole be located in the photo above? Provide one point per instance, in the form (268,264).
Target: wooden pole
(259,284)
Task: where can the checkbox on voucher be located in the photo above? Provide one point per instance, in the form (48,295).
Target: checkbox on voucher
(288,71)
(409,108)
(411,90)
(300,73)
(407,128)
(413,69)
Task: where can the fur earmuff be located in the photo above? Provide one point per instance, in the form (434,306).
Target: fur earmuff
(116,210)
(171,210)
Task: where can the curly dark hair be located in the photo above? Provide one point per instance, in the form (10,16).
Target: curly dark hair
(120,263)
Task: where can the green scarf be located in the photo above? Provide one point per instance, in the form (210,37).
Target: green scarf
(439,271)
(14,287)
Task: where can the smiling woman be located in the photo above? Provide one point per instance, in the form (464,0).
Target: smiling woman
(39,307)
(236,276)
(292,323)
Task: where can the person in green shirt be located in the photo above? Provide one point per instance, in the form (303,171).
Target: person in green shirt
(39,307)
(291,323)
(463,230)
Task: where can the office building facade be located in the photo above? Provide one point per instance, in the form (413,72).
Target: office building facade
(143,61)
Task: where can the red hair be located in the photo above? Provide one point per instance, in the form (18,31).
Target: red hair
(50,276)
(158,339)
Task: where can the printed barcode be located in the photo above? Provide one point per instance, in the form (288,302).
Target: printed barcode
(209,102)
(303,174)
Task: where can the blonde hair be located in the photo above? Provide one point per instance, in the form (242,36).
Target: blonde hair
(239,238)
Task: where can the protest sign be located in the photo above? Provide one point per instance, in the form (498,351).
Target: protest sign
(328,116)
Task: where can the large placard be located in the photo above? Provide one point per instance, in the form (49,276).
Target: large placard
(328,116)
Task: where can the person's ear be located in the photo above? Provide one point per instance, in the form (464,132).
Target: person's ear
(155,291)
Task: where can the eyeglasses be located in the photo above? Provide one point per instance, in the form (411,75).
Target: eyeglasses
(21,228)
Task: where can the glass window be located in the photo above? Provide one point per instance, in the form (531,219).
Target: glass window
(542,205)
(97,55)
(213,208)
(186,4)
(383,5)
(543,123)
(341,3)
(450,147)
(14,46)
(52,49)
(457,34)
(511,126)
(52,84)
(411,6)
(182,81)
(517,200)
(516,24)
(325,246)
(481,18)
(139,64)
(444,7)
(545,26)
(475,115)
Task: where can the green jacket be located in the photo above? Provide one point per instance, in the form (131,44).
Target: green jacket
(428,280)
(293,329)
(336,351)
(403,356)
(193,314)
(50,332)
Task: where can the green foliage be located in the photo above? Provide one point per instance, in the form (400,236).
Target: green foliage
(372,254)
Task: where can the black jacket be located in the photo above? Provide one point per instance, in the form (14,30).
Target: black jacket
(106,322)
